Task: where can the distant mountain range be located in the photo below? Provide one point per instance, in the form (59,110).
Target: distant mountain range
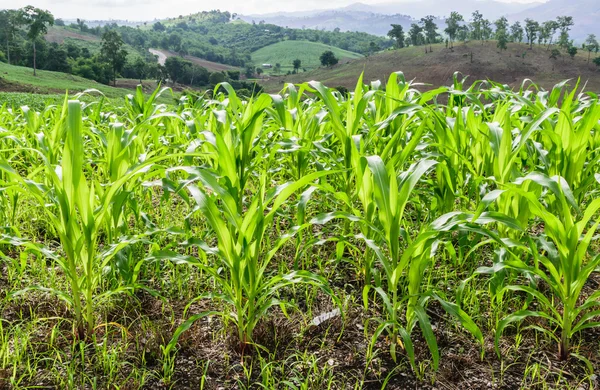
(376,18)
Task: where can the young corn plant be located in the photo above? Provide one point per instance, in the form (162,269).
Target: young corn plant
(77,215)
(244,250)
(560,259)
(390,195)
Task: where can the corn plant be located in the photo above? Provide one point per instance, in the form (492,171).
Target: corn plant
(244,250)
(560,259)
(77,214)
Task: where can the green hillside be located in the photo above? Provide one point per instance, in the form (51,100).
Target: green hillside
(21,79)
(308,52)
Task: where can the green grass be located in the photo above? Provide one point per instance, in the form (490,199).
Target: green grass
(287,51)
(47,82)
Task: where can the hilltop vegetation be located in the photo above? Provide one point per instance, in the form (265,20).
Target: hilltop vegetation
(509,66)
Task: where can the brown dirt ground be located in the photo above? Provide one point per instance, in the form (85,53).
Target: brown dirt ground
(56,35)
(437,68)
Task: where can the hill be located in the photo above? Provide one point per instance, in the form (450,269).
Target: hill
(437,68)
(20,79)
(585,13)
(308,52)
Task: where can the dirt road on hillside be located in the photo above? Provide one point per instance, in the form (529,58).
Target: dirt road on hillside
(161,56)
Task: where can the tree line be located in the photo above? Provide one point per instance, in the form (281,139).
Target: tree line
(426,32)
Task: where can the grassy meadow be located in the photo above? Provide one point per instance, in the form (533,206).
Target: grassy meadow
(286,52)
(386,238)
(21,79)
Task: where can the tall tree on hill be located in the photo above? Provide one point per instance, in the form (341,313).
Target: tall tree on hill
(81,25)
(477,25)
(112,50)
(453,25)
(140,68)
(549,29)
(463,33)
(397,34)
(430,29)
(501,33)
(486,30)
(296,64)
(516,31)
(9,24)
(591,44)
(328,59)
(564,24)
(37,21)
(531,29)
(415,34)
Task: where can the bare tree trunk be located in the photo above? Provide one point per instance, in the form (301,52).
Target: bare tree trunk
(549,43)
(34,54)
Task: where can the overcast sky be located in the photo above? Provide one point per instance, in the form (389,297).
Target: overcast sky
(160,9)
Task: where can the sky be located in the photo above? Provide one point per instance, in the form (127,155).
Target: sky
(138,10)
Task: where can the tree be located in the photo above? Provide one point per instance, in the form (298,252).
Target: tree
(249,71)
(572,50)
(277,68)
(373,48)
(502,38)
(501,24)
(564,24)
(175,42)
(550,27)
(596,61)
(453,25)
(416,38)
(175,68)
(501,34)
(216,78)
(259,71)
(158,26)
(328,58)
(430,29)
(397,34)
(113,52)
(531,29)
(591,44)
(296,64)
(10,22)
(516,31)
(37,21)
(140,68)
(81,25)
(477,25)
(486,30)
(463,33)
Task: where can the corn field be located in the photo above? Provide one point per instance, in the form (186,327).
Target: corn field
(388,238)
